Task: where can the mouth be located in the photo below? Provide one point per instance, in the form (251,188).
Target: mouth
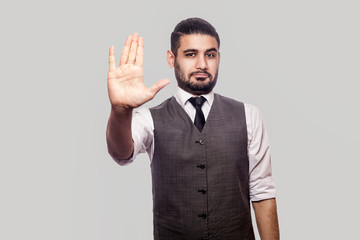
(200,75)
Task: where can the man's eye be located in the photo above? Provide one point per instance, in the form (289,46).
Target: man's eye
(190,54)
(210,55)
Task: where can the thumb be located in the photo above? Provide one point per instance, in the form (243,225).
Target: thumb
(158,86)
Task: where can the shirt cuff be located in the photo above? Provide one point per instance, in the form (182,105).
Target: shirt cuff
(265,189)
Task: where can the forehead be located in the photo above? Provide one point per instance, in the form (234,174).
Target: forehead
(197,41)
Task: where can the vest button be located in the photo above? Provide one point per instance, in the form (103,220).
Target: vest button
(203,191)
(202,215)
(202,166)
(202,142)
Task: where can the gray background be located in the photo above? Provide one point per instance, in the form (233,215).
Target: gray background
(298,61)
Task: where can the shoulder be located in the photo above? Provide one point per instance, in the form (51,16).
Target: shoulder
(227,100)
(254,121)
(163,105)
(229,105)
(249,108)
(252,113)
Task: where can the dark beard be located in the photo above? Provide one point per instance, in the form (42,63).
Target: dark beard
(198,87)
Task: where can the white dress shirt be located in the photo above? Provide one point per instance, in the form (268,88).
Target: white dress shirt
(260,174)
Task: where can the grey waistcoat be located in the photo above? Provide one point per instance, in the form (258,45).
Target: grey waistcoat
(201,179)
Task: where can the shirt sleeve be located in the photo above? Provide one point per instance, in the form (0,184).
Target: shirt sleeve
(142,129)
(261,182)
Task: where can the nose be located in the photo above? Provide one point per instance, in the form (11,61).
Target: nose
(201,62)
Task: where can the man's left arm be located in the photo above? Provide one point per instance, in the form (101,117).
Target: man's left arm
(266,219)
(262,187)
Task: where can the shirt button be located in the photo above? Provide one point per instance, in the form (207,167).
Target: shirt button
(202,215)
(203,191)
(202,166)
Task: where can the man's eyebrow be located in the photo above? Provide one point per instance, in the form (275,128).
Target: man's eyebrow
(190,50)
(212,50)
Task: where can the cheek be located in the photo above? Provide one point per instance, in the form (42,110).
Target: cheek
(214,67)
(186,68)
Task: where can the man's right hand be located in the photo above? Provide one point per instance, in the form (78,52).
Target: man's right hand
(126,85)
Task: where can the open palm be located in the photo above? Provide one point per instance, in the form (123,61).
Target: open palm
(126,85)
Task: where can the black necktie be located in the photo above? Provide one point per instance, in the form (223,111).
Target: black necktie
(199,117)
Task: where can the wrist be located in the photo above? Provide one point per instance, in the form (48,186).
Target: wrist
(121,111)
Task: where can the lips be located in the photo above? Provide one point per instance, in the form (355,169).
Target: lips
(200,75)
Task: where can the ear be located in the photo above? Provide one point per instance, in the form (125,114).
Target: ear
(170,57)
(219,57)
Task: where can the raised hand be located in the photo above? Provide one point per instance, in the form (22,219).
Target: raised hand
(126,85)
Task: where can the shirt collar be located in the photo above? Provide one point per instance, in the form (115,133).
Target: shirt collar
(182,97)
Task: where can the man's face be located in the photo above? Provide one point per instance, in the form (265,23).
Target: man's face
(197,63)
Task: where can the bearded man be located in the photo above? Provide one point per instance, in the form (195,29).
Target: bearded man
(209,154)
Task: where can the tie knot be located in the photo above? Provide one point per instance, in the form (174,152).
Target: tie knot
(197,101)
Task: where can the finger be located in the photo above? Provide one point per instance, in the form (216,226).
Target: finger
(158,86)
(112,59)
(133,49)
(140,53)
(125,51)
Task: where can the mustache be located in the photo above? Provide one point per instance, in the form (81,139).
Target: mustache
(202,72)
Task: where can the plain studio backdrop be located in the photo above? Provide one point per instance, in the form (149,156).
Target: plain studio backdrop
(298,61)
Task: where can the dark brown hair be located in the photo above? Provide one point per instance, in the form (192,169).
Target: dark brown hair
(191,26)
